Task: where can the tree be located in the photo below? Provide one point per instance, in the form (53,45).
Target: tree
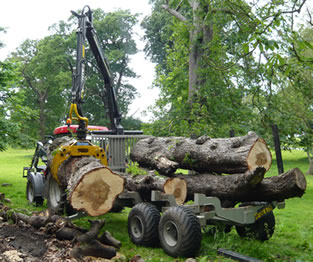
(7,77)
(231,51)
(7,128)
(296,99)
(45,82)
(44,85)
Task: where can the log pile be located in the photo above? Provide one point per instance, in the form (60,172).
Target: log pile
(84,242)
(244,159)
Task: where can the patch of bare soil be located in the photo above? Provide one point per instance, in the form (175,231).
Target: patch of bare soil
(22,243)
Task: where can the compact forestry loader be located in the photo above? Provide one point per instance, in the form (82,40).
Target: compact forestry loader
(42,182)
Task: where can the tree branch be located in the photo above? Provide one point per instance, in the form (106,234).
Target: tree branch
(179,5)
(175,13)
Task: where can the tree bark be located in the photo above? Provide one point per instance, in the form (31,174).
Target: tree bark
(92,234)
(95,249)
(144,184)
(91,186)
(248,186)
(204,155)
(107,239)
(310,158)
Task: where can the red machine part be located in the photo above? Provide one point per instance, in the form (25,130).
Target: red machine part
(64,129)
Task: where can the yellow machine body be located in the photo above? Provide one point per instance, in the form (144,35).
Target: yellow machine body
(75,149)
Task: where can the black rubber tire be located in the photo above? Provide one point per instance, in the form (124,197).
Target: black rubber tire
(143,222)
(180,232)
(32,199)
(262,229)
(56,196)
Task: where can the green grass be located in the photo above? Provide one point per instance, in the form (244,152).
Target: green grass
(292,240)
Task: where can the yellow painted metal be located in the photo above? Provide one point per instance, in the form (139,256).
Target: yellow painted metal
(79,117)
(76,148)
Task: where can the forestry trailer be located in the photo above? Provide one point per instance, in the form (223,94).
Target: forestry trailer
(179,228)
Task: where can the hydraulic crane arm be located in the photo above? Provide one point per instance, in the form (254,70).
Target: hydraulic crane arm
(114,114)
(86,32)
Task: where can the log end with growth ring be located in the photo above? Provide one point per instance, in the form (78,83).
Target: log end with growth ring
(96,191)
(259,156)
(300,180)
(178,188)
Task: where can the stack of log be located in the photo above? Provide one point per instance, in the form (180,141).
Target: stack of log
(84,242)
(232,169)
(245,159)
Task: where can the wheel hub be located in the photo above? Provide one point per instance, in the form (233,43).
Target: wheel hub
(54,193)
(136,226)
(170,233)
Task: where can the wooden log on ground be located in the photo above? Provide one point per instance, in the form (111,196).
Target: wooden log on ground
(144,184)
(91,186)
(247,187)
(35,221)
(67,233)
(95,249)
(92,234)
(204,155)
(107,239)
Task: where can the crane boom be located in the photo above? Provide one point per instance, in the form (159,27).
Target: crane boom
(87,33)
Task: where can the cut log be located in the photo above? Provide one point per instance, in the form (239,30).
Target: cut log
(248,186)
(204,155)
(145,184)
(35,221)
(91,187)
(67,233)
(92,234)
(95,249)
(107,239)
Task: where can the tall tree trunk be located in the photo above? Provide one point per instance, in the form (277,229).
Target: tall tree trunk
(310,158)
(194,52)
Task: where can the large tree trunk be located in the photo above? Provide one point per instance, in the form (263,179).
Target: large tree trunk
(204,155)
(248,186)
(91,187)
(145,184)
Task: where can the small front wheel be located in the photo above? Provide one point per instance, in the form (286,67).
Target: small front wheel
(56,196)
(30,194)
(262,229)
(143,221)
(180,232)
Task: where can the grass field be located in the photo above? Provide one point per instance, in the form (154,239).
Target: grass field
(292,240)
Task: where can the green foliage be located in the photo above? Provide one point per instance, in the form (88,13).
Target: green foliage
(8,129)
(43,87)
(130,123)
(254,69)
(134,169)
(40,96)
